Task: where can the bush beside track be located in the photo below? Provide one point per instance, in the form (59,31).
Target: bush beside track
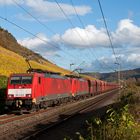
(121,120)
(3,82)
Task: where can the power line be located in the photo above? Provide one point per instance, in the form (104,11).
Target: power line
(28,32)
(88,37)
(111,44)
(70,20)
(33,17)
(70,23)
(44,25)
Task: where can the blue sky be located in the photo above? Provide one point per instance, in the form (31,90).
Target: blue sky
(70,40)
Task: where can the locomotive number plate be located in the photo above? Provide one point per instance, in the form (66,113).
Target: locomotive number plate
(19,92)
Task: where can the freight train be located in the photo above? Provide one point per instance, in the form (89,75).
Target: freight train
(43,89)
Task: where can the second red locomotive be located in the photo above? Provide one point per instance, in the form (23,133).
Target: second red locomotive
(39,90)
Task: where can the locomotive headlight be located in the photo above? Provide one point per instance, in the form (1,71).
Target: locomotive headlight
(28,95)
(10,95)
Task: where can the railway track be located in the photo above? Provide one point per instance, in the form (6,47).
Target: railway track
(29,125)
(89,107)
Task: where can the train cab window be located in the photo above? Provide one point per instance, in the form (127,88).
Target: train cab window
(15,80)
(27,80)
(21,80)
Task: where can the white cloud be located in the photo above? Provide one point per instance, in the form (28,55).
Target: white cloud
(126,39)
(41,45)
(127,33)
(32,43)
(48,10)
(9,2)
(82,38)
(106,64)
(51,9)
(134,59)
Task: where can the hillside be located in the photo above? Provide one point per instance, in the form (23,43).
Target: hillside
(125,75)
(9,42)
(12,62)
(13,55)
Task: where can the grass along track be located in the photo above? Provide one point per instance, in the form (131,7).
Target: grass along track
(87,106)
(29,123)
(11,62)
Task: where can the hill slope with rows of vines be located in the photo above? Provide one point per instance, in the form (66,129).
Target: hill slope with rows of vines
(13,55)
(11,62)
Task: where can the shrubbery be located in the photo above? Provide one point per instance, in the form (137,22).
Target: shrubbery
(118,123)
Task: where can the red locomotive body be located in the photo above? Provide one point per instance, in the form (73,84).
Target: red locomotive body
(45,89)
(26,89)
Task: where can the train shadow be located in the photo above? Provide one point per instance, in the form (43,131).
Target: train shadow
(68,129)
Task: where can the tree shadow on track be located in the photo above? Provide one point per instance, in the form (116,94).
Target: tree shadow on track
(71,126)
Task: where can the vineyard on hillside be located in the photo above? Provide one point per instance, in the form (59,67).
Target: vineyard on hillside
(11,62)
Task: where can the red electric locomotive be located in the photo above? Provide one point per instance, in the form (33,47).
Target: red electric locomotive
(42,89)
(26,90)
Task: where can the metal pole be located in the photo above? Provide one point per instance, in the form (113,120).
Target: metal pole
(71,65)
(119,75)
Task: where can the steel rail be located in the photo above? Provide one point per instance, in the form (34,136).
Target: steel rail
(69,111)
(81,109)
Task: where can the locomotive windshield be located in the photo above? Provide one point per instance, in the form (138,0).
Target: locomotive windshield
(21,80)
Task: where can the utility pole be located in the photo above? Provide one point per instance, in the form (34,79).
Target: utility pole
(119,75)
(71,65)
(80,69)
(80,65)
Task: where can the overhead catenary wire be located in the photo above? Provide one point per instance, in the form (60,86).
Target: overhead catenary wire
(111,44)
(69,21)
(28,32)
(50,30)
(77,32)
(83,25)
(33,17)
(47,27)
(41,23)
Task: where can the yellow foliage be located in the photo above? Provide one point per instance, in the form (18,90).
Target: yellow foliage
(11,62)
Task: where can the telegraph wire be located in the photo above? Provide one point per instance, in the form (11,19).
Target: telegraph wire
(83,25)
(44,25)
(69,20)
(33,17)
(111,44)
(27,31)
